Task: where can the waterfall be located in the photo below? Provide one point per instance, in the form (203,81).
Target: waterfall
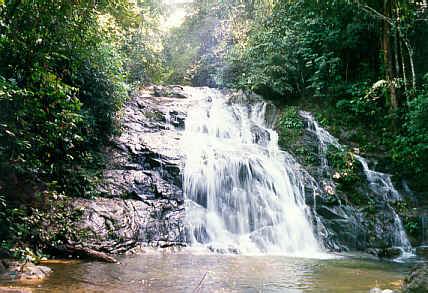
(242,192)
(380,183)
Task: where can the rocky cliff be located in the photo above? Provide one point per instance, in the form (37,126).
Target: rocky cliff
(142,198)
(141,195)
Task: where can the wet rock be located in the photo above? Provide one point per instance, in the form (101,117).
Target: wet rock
(422,251)
(143,182)
(174,91)
(343,217)
(417,280)
(260,136)
(390,252)
(222,250)
(18,271)
(86,253)
(243,97)
(373,251)
(330,213)
(117,225)
(143,199)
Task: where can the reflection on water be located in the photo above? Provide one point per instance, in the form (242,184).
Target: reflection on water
(223,273)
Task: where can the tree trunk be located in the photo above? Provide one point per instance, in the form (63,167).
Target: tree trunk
(412,65)
(397,64)
(403,64)
(388,65)
(86,253)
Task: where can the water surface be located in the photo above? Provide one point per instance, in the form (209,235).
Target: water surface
(185,272)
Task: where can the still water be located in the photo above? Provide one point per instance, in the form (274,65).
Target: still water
(187,272)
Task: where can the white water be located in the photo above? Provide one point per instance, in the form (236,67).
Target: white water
(242,193)
(380,183)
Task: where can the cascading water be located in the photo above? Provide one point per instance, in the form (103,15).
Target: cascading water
(242,193)
(379,183)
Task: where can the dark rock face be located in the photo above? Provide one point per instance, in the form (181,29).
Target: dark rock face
(118,225)
(417,280)
(142,195)
(343,217)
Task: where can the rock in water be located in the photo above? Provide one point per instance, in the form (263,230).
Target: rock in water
(417,280)
(390,252)
(17,271)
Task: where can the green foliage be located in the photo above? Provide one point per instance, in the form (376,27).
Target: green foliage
(301,47)
(62,81)
(289,126)
(290,118)
(196,51)
(143,61)
(411,145)
(411,222)
(180,51)
(360,105)
(371,208)
(412,226)
(31,231)
(345,167)
(141,45)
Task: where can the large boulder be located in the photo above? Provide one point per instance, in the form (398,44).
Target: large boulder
(24,272)
(117,225)
(417,280)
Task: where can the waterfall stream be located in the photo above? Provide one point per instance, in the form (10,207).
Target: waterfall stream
(380,183)
(242,193)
